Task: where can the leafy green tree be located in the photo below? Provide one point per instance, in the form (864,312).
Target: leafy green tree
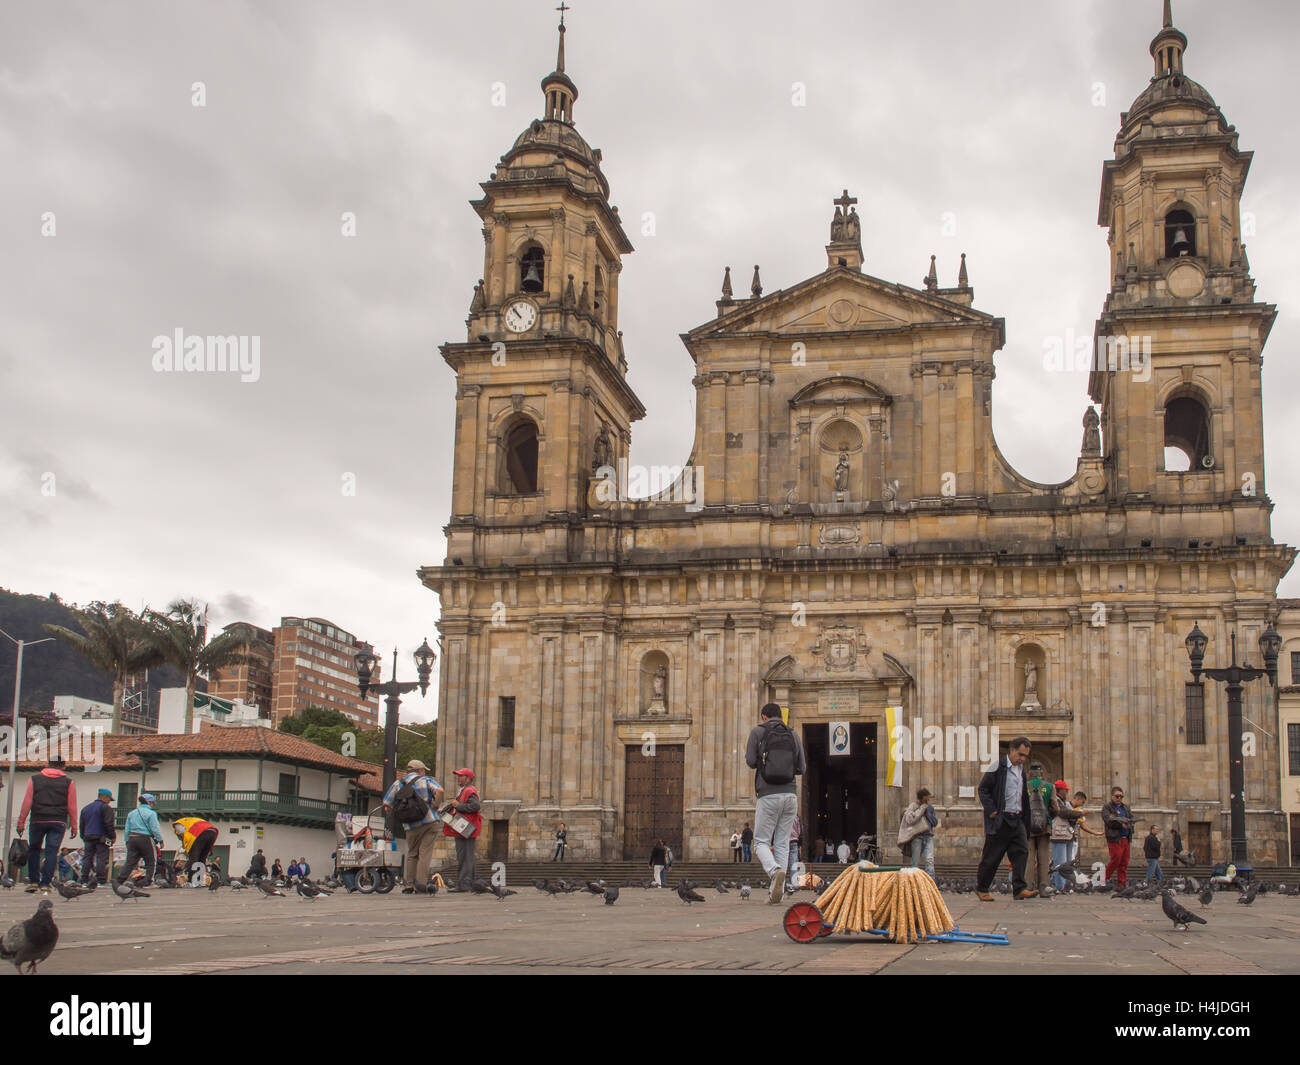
(181,637)
(318,716)
(117,641)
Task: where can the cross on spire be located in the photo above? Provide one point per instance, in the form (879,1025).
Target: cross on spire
(845,200)
(562,9)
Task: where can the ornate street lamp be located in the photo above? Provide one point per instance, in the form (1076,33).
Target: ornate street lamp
(1270,643)
(392,691)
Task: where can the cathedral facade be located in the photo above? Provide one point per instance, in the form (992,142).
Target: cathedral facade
(845,537)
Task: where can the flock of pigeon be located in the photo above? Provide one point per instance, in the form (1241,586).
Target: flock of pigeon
(30,942)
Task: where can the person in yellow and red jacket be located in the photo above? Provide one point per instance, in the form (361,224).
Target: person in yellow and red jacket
(197,837)
(467,804)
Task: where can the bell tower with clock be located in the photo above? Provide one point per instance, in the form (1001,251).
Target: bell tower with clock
(542,376)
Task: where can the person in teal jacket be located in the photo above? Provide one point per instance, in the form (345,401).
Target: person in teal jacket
(143,838)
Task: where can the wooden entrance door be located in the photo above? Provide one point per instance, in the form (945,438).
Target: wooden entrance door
(652,807)
(1198,842)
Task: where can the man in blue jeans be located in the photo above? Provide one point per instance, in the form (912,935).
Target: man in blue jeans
(775,754)
(51,800)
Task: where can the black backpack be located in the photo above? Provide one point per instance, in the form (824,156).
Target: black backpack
(778,753)
(408,805)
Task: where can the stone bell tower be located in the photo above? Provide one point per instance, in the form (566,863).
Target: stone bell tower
(541,379)
(1178,354)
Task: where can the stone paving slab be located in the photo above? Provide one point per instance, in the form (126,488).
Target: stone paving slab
(182,932)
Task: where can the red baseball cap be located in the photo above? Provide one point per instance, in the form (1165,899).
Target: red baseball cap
(464,773)
(1062,784)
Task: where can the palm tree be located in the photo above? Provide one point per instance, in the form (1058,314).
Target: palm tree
(115,640)
(180,636)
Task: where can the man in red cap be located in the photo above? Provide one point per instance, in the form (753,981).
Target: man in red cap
(466,803)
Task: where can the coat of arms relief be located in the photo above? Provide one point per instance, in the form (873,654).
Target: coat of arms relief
(841,646)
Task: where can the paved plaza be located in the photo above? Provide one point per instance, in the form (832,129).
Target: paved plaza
(180,932)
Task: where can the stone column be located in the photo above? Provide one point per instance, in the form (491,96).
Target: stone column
(499,285)
(556,273)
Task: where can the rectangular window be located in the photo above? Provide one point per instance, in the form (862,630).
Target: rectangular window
(1295,667)
(288,784)
(212,783)
(506,725)
(127,797)
(1196,714)
(1293,749)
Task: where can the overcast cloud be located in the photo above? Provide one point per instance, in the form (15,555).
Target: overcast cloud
(225,219)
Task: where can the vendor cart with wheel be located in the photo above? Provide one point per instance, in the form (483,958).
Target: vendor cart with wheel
(366,854)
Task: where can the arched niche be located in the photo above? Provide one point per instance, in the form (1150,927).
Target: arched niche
(841,460)
(656,694)
(1027,697)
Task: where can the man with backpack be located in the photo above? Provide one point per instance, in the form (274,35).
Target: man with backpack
(414,800)
(51,802)
(776,756)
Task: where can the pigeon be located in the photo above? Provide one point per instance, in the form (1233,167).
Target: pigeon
(307,891)
(688,895)
(720,886)
(7,882)
(237,884)
(596,887)
(324,890)
(32,940)
(744,891)
(126,891)
(480,887)
(1207,896)
(1193,885)
(501,892)
(214,883)
(1248,896)
(611,895)
(1125,893)
(540,885)
(1066,869)
(1177,913)
(70,890)
(268,889)
(431,888)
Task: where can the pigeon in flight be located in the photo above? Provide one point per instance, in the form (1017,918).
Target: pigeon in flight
(32,940)
(126,891)
(501,892)
(688,895)
(611,895)
(596,887)
(1248,896)
(1178,914)
(71,890)
(268,889)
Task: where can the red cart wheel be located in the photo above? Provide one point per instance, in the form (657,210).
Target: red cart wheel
(803,922)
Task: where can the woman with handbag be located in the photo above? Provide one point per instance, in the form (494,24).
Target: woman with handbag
(916,832)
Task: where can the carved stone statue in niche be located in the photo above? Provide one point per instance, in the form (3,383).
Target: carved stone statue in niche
(1091,434)
(842,473)
(852,226)
(837,226)
(658,691)
(603,451)
(1030,700)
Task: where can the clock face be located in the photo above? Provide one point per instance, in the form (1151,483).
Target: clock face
(520,316)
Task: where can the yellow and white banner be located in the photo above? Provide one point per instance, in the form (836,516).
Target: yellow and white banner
(894,771)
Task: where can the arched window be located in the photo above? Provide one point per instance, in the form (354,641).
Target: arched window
(1180,234)
(519,458)
(532,270)
(1187,434)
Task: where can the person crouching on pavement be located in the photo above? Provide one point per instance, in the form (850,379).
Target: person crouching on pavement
(467,804)
(197,837)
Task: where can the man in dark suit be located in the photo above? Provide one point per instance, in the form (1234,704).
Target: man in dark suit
(1004,794)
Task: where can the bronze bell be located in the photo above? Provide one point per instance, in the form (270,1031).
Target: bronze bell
(1182,246)
(532,278)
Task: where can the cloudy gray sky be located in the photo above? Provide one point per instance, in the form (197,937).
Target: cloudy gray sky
(225,219)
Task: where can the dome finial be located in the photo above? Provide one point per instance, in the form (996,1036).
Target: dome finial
(557,89)
(559,59)
(1168,46)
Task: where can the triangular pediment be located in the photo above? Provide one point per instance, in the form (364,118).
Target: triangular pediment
(840,301)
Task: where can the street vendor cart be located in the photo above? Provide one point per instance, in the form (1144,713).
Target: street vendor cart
(366,854)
